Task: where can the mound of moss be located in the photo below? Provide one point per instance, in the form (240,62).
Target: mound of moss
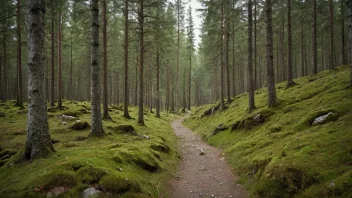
(118,165)
(287,155)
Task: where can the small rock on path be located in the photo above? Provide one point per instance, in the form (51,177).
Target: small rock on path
(206,175)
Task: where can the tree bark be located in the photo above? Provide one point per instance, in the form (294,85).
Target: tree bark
(222,58)
(141,54)
(314,40)
(126,94)
(70,95)
(344,57)
(106,115)
(290,81)
(52,98)
(255,46)
(227,27)
(269,55)
(5,69)
(350,38)
(97,125)
(332,52)
(19,97)
(38,141)
(59,78)
(250,86)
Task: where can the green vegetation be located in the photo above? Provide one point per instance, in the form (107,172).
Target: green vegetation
(131,165)
(286,155)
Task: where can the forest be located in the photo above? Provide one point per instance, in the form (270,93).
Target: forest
(175,98)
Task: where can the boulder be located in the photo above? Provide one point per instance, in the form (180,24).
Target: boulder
(124,129)
(326,118)
(67,118)
(91,192)
(78,125)
(221,127)
(259,118)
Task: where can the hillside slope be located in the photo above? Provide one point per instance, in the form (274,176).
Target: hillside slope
(284,154)
(121,164)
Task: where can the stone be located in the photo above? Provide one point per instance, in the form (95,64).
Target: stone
(221,127)
(78,125)
(202,152)
(91,192)
(259,118)
(326,118)
(67,118)
(64,123)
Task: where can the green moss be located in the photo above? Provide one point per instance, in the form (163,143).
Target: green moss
(90,174)
(88,162)
(118,185)
(305,159)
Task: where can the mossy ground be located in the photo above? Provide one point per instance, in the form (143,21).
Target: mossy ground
(119,164)
(286,156)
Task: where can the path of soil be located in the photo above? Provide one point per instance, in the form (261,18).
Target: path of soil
(206,175)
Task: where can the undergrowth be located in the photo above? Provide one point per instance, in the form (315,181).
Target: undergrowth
(120,164)
(286,155)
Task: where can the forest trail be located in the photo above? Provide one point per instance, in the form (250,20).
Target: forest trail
(206,175)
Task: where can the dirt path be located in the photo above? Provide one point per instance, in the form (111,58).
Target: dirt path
(206,175)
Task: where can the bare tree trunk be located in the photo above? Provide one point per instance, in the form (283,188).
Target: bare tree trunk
(126,95)
(5,69)
(106,115)
(136,85)
(269,55)
(344,57)
(255,46)
(227,30)
(19,101)
(52,98)
(178,53)
(302,45)
(314,40)
(350,38)
(1,90)
(70,95)
(332,52)
(141,54)
(233,55)
(38,141)
(59,78)
(222,58)
(97,125)
(250,86)
(290,81)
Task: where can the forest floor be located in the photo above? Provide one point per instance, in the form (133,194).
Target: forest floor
(282,151)
(203,169)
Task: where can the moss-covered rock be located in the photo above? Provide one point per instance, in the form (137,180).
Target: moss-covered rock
(90,174)
(162,147)
(80,125)
(118,185)
(127,129)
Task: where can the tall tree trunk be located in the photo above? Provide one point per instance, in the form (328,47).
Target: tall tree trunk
(189,80)
(97,125)
(19,97)
(302,44)
(227,30)
(52,98)
(332,52)
(5,69)
(106,115)
(38,141)
(344,57)
(59,78)
(350,38)
(289,51)
(141,55)
(222,58)
(178,52)
(136,85)
(269,55)
(1,90)
(157,84)
(126,95)
(250,86)
(314,40)
(255,45)
(70,95)
(233,55)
